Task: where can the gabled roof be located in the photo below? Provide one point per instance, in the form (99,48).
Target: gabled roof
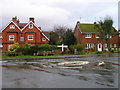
(37,28)
(46,33)
(9,24)
(22,26)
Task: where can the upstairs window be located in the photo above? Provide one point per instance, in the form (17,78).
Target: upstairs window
(97,36)
(30,26)
(30,37)
(109,35)
(12,27)
(11,37)
(88,35)
(21,38)
(43,39)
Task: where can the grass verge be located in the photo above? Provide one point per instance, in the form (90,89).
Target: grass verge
(31,56)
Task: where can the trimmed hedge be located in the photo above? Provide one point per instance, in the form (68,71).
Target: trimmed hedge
(79,47)
(47,47)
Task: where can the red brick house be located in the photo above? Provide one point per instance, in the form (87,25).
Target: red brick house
(87,35)
(0,41)
(22,33)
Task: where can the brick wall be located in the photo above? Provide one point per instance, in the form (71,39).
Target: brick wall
(37,36)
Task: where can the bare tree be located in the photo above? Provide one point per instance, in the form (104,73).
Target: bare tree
(60,30)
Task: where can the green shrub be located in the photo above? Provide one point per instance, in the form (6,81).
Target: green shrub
(53,47)
(19,49)
(79,48)
(105,51)
(81,53)
(98,52)
(14,47)
(115,49)
(12,54)
(112,51)
(91,52)
(59,42)
(34,49)
(47,47)
(68,50)
(44,47)
(27,50)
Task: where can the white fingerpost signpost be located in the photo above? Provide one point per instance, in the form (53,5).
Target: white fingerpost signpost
(63,46)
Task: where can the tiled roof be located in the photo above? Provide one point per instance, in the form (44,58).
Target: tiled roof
(21,25)
(46,33)
(39,27)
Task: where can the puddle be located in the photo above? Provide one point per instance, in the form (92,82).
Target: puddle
(101,70)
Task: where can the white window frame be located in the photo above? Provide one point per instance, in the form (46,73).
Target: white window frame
(115,45)
(0,37)
(9,46)
(92,45)
(97,36)
(110,36)
(11,36)
(12,27)
(88,35)
(86,46)
(89,45)
(30,26)
(43,39)
(105,45)
(21,38)
(30,37)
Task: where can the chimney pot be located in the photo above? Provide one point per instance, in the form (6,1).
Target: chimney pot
(18,21)
(32,19)
(78,22)
(94,22)
(14,19)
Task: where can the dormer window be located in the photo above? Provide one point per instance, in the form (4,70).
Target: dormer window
(12,27)
(43,39)
(30,26)
(88,35)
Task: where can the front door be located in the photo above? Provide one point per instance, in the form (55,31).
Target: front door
(99,46)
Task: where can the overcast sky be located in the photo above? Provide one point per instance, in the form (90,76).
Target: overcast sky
(48,13)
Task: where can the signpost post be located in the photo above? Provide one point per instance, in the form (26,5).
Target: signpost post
(63,46)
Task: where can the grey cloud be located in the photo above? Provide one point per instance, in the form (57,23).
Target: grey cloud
(48,13)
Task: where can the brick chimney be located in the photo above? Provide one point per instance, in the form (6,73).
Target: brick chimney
(94,22)
(78,22)
(14,19)
(18,22)
(32,19)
